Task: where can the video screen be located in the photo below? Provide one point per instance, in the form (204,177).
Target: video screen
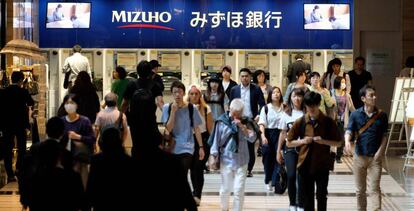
(68,15)
(22,15)
(327,16)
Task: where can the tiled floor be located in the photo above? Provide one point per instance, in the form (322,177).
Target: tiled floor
(397,187)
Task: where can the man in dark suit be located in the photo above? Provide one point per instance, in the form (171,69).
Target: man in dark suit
(228,84)
(17,103)
(253,100)
(297,66)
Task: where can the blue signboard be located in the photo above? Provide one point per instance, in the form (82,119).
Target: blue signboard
(209,24)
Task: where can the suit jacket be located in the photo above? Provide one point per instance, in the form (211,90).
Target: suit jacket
(295,67)
(231,85)
(256,97)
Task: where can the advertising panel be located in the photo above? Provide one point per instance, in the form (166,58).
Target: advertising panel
(216,24)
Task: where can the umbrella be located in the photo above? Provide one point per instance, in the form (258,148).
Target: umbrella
(23,48)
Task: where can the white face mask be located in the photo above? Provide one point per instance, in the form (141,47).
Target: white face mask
(343,86)
(70,108)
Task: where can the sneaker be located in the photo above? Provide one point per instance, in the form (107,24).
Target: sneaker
(269,187)
(338,160)
(300,209)
(292,208)
(197,200)
(249,174)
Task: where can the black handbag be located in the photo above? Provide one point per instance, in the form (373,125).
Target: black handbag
(67,77)
(281,185)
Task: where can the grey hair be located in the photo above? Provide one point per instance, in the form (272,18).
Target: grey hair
(111,97)
(236,105)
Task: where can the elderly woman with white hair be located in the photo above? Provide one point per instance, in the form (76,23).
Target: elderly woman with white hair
(229,141)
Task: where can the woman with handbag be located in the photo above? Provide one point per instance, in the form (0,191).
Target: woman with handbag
(198,166)
(79,137)
(344,106)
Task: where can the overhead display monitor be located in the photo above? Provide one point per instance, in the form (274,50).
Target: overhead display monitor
(327,16)
(64,15)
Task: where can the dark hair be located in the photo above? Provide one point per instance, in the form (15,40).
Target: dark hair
(61,111)
(144,69)
(337,82)
(409,62)
(269,96)
(179,85)
(17,76)
(300,73)
(256,75)
(289,107)
(329,70)
(59,6)
(226,68)
(360,58)
(55,127)
(83,84)
(312,99)
(363,90)
(313,74)
(77,48)
(110,141)
(121,72)
(316,7)
(247,70)
(299,56)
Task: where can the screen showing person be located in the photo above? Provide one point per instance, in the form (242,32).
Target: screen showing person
(327,16)
(68,15)
(22,15)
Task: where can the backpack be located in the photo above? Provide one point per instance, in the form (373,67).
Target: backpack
(142,102)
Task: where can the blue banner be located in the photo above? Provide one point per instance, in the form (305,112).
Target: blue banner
(208,24)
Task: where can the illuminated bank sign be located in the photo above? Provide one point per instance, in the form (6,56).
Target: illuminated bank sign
(236,24)
(252,19)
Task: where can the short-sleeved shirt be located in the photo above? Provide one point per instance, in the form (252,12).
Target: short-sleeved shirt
(182,131)
(369,141)
(357,82)
(203,126)
(119,87)
(133,86)
(286,122)
(108,116)
(273,117)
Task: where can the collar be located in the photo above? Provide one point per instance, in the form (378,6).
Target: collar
(77,53)
(110,108)
(245,87)
(318,119)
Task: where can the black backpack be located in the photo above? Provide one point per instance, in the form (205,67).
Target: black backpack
(142,101)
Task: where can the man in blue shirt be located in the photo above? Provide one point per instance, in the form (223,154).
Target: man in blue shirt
(369,147)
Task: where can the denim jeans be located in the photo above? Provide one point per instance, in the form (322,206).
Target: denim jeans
(294,188)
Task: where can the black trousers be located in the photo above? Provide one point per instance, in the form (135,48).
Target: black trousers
(307,181)
(294,187)
(271,167)
(198,166)
(21,136)
(252,156)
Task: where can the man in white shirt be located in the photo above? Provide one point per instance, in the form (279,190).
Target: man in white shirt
(76,63)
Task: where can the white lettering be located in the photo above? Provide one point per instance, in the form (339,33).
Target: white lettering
(165,17)
(135,19)
(116,17)
(139,17)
